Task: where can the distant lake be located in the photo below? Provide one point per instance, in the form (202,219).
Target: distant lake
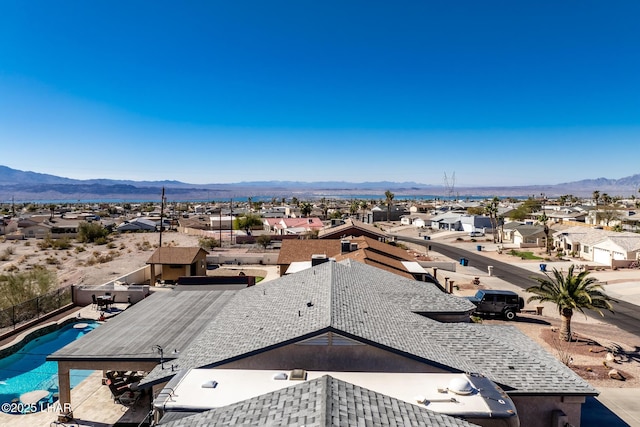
(301,197)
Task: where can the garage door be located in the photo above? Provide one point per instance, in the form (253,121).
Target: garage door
(602,256)
(619,255)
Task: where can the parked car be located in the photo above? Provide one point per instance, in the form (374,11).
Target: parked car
(504,303)
(476,234)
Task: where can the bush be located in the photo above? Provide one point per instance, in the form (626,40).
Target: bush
(144,245)
(6,255)
(62,243)
(89,232)
(52,260)
(263,240)
(208,243)
(101,241)
(20,287)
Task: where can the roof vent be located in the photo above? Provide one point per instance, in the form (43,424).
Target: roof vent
(280,376)
(210,384)
(298,375)
(318,259)
(460,386)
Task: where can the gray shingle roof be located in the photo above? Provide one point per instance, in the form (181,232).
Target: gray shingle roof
(373,306)
(325,401)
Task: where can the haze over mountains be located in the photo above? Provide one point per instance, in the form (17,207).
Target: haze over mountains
(20,186)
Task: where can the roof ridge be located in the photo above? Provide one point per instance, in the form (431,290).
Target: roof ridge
(332,284)
(326,399)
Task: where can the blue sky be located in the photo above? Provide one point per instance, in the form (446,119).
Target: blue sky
(497,92)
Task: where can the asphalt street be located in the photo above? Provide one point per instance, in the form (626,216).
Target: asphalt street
(626,315)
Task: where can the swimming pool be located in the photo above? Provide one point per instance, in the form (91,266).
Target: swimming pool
(27,369)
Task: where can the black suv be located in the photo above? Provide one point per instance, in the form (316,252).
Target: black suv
(505,303)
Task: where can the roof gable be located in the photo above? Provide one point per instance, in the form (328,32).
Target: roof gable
(351,227)
(325,401)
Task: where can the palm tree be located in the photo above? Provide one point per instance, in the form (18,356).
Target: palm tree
(389,195)
(570,292)
(353,207)
(596,197)
(306,208)
(491,210)
(543,219)
(363,206)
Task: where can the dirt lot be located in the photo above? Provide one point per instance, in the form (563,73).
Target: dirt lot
(88,263)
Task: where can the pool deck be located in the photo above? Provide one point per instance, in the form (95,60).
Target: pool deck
(92,402)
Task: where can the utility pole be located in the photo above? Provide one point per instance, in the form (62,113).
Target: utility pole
(161,216)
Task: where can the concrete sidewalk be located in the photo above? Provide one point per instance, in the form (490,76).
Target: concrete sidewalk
(614,407)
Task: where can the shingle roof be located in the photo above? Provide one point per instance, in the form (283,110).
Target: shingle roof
(348,227)
(302,250)
(529,230)
(325,401)
(375,307)
(627,243)
(175,255)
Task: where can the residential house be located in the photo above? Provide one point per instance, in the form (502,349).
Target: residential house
(352,228)
(380,213)
(299,226)
(8,226)
(471,223)
(323,399)
(447,221)
(336,317)
(597,245)
(418,220)
(527,236)
(297,255)
(35,227)
(137,224)
(617,247)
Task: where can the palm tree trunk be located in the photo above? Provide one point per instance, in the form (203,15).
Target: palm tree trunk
(565,325)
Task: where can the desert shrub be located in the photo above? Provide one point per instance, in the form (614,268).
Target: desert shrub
(19,287)
(208,243)
(101,241)
(144,245)
(45,243)
(111,245)
(89,232)
(52,260)
(79,249)
(6,255)
(62,243)
(263,240)
(27,243)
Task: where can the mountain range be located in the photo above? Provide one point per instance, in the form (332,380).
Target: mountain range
(29,186)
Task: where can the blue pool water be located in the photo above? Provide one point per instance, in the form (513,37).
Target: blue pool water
(27,369)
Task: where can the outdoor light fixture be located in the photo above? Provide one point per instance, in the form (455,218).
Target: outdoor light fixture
(161,351)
